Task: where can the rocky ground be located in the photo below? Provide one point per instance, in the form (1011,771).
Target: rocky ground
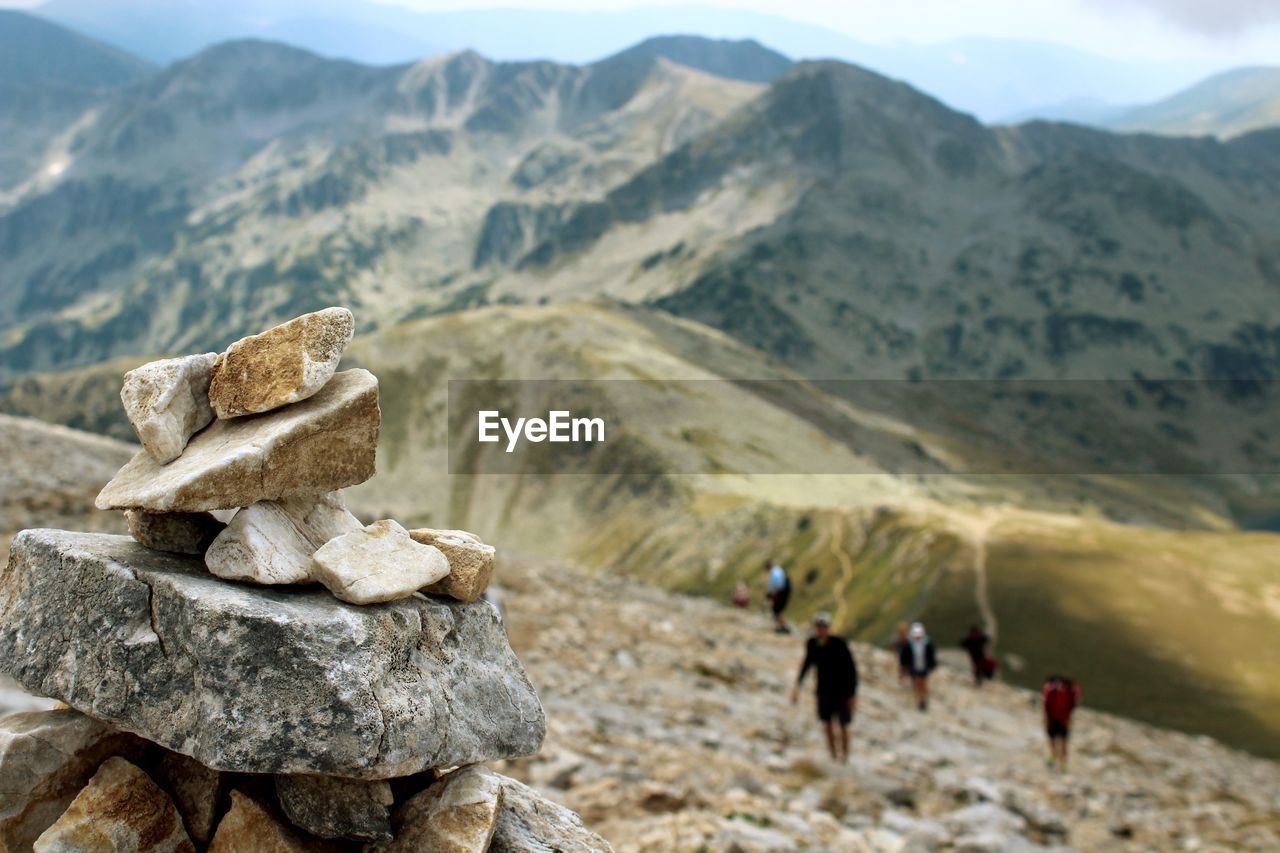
(50,476)
(670,729)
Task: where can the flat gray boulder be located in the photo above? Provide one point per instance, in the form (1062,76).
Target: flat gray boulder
(253,679)
(320,445)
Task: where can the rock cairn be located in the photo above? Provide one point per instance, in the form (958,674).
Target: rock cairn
(253,668)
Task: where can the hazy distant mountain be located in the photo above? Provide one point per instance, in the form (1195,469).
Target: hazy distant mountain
(49,77)
(36,51)
(992,78)
(1225,105)
(1093,112)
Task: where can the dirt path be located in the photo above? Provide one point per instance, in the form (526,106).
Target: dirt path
(836,533)
(978,532)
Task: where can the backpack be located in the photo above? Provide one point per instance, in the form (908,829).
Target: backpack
(1059,702)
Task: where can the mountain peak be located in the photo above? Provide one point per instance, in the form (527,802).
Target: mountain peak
(744,59)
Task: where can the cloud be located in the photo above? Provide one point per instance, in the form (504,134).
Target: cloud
(1208,17)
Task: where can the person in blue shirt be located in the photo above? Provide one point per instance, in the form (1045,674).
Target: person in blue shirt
(778,593)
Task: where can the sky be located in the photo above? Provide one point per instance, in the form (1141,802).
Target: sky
(1230,31)
(1227,32)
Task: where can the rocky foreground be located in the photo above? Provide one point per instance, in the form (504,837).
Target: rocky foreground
(252,668)
(669,728)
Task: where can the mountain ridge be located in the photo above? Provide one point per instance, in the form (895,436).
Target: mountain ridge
(1225,105)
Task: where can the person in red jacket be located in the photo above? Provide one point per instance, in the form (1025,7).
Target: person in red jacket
(1059,697)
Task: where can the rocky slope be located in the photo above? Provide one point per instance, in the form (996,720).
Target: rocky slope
(51,475)
(714,474)
(669,728)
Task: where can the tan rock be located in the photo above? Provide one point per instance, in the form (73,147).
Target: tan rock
(332,807)
(120,809)
(272,542)
(457,814)
(379,563)
(167,402)
(250,826)
(319,445)
(176,532)
(195,790)
(529,821)
(283,365)
(46,757)
(470,562)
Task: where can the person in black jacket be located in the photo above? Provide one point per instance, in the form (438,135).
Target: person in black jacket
(975,643)
(919,658)
(837,681)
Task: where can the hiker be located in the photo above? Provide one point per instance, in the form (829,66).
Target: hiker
(919,659)
(837,689)
(975,643)
(899,643)
(741,596)
(1060,697)
(778,593)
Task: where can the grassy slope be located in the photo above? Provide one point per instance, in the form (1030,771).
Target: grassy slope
(1173,627)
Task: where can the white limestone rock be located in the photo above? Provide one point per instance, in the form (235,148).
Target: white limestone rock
(167,402)
(376,564)
(272,542)
(326,442)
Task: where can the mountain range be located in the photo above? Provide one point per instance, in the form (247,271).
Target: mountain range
(698,209)
(991,77)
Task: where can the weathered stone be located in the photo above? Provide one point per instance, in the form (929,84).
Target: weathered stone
(470,562)
(46,757)
(167,402)
(457,814)
(376,564)
(248,825)
(178,532)
(332,807)
(120,809)
(257,679)
(283,365)
(196,791)
(528,821)
(321,444)
(272,542)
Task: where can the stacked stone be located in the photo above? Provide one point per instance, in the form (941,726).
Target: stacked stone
(254,668)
